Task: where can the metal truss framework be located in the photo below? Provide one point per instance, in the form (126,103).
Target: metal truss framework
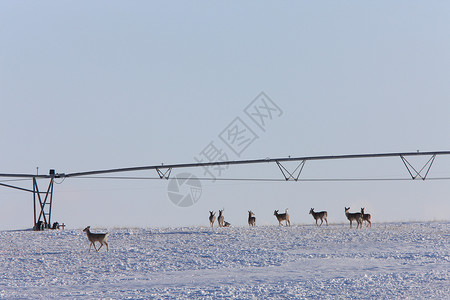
(42,199)
(164,171)
(416,174)
(43,204)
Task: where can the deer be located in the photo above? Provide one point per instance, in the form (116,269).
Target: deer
(96,237)
(251,218)
(354,217)
(319,215)
(212,218)
(282,217)
(220,218)
(366,218)
(226,224)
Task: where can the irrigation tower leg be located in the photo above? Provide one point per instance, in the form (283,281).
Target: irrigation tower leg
(43,218)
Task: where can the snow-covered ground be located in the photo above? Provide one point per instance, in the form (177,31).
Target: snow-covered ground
(392,260)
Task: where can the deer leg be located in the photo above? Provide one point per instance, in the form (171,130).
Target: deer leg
(107,248)
(101,245)
(93,243)
(326,221)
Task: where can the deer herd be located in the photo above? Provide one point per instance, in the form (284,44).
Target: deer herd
(220,219)
(358,217)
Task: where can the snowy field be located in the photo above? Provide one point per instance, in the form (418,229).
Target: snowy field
(392,260)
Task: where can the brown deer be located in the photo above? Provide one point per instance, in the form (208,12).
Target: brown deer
(366,218)
(220,218)
(251,218)
(354,217)
(319,215)
(212,218)
(282,217)
(96,237)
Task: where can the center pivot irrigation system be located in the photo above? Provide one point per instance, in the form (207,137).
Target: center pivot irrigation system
(42,200)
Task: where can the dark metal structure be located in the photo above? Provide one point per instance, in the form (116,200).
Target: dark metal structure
(165,170)
(42,201)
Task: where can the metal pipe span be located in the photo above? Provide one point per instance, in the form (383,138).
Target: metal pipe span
(232,162)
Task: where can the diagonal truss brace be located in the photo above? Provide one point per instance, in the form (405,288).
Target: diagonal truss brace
(413,172)
(164,174)
(291,175)
(47,201)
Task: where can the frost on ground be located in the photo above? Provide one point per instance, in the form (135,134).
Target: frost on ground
(395,260)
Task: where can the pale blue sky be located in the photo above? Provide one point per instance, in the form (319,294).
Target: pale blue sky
(110,84)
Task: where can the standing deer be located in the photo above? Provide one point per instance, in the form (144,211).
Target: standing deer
(366,217)
(251,218)
(319,215)
(282,217)
(354,217)
(96,237)
(220,218)
(212,218)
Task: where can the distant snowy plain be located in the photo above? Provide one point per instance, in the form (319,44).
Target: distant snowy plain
(391,260)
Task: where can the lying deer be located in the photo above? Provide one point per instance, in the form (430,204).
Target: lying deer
(354,217)
(212,218)
(366,217)
(282,217)
(220,218)
(226,224)
(96,237)
(319,215)
(251,218)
